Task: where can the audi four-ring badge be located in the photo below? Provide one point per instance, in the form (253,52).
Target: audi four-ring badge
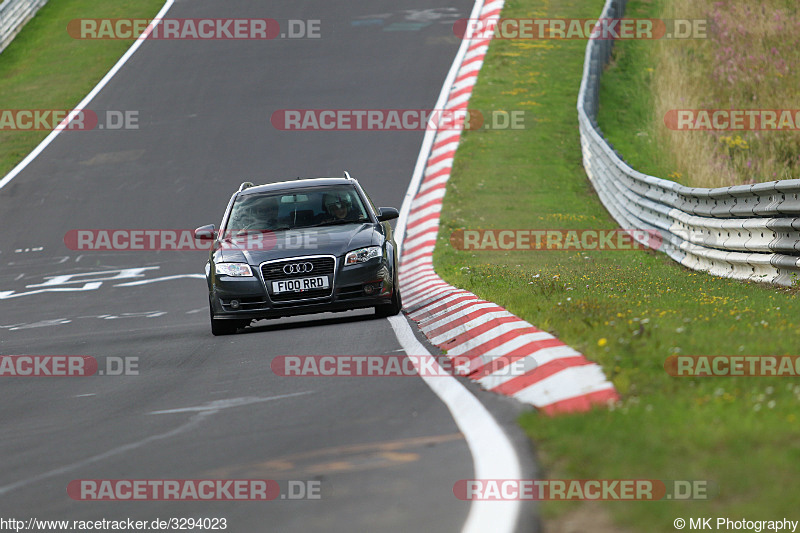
(300,247)
(296,268)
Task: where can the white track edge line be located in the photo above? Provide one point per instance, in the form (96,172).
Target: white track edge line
(494,457)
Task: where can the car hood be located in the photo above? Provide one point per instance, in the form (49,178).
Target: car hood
(326,240)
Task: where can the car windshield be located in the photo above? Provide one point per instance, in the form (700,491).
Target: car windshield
(297,208)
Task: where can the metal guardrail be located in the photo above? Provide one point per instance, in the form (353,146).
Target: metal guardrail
(13,16)
(745,232)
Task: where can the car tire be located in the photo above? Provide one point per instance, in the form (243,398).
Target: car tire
(392,308)
(225,327)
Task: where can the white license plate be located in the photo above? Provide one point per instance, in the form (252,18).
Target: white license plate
(300,284)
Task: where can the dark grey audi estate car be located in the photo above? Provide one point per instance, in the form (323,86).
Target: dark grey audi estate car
(299,247)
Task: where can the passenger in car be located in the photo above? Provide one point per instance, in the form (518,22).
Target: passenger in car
(339,208)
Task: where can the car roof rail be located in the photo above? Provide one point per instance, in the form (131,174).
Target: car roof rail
(245,185)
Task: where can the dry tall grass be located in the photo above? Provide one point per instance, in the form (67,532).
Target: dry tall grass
(750,60)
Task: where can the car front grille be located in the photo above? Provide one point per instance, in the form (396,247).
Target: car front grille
(320,266)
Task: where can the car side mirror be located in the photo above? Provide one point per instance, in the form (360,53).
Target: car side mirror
(205,233)
(387,213)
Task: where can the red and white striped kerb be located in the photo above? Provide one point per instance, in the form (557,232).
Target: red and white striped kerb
(557,378)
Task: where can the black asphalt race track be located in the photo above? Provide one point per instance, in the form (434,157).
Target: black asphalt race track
(385,450)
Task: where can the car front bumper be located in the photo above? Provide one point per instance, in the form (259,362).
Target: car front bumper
(254,299)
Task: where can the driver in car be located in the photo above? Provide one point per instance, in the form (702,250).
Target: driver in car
(266,212)
(339,208)
(257,216)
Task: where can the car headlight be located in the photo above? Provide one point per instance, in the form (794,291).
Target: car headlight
(233,269)
(362,255)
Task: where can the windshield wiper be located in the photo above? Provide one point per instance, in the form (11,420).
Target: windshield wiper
(335,222)
(242,232)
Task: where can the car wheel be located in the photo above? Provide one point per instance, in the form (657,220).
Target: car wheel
(225,327)
(392,308)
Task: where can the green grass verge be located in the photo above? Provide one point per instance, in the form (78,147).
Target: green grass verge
(627,103)
(45,68)
(626,310)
